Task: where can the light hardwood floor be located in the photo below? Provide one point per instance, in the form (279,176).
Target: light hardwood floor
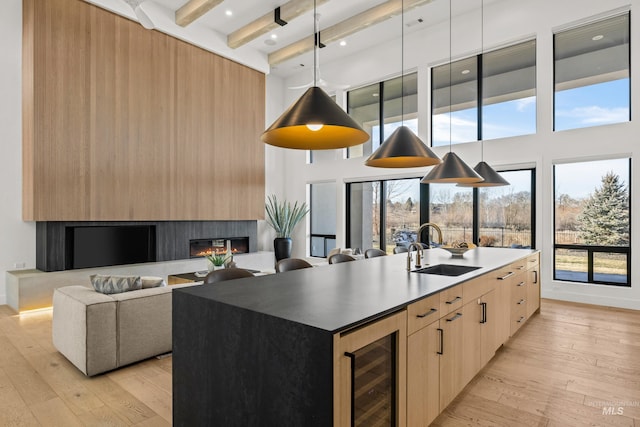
(561,369)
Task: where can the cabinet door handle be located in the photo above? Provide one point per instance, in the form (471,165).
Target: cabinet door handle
(521,284)
(484,312)
(535,280)
(454,300)
(522,301)
(521,319)
(457,316)
(433,310)
(441,333)
(521,267)
(506,276)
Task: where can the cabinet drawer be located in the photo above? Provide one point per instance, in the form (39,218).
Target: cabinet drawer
(518,317)
(519,266)
(475,288)
(451,299)
(519,288)
(422,313)
(533,261)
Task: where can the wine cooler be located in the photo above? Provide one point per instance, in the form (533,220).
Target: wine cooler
(371,360)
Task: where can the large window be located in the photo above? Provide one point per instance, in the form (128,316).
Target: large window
(485,97)
(386,214)
(505,213)
(451,208)
(383,214)
(323,218)
(592,227)
(592,85)
(368,104)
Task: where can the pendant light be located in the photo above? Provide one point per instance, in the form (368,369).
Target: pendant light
(491,177)
(452,169)
(315,121)
(403,148)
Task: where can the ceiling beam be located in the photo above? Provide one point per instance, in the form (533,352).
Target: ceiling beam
(194,9)
(288,11)
(349,26)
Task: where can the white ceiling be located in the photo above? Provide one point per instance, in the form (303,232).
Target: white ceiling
(210,31)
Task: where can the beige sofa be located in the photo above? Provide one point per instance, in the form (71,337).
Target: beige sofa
(99,332)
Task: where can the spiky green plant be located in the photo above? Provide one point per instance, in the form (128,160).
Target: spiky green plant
(217,259)
(283,217)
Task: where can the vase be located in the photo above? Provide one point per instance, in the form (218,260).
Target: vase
(282,247)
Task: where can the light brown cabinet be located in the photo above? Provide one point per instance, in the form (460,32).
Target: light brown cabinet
(454,334)
(533,285)
(423,383)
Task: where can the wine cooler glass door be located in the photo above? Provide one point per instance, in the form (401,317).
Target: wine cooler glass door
(372,366)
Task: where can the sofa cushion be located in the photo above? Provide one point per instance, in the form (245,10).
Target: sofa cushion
(115,284)
(152,282)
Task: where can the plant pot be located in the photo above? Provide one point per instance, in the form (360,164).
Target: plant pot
(282,247)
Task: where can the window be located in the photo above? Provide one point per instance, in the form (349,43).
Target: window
(592,85)
(323,218)
(385,214)
(368,104)
(505,214)
(451,208)
(592,227)
(484,97)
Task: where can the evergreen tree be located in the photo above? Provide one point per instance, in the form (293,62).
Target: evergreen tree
(604,219)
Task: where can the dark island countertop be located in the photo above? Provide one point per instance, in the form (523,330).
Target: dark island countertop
(336,297)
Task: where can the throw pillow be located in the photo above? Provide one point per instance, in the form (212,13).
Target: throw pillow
(152,282)
(115,284)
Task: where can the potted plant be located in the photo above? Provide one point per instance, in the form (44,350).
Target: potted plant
(284,217)
(216,261)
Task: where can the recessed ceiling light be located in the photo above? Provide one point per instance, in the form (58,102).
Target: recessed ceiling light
(465,71)
(343,43)
(270,42)
(598,37)
(274,36)
(228,12)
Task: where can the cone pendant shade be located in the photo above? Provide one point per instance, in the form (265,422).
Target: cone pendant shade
(491,177)
(451,170)
(403,149)
(314,122)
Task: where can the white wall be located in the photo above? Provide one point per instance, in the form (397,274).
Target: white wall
(17,238)
(506,21)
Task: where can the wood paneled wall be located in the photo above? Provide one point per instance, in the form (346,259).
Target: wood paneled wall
(123,123)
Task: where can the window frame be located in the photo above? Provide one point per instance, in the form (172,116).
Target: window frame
(480,92)
(593,249)
(425,195)
(629,93)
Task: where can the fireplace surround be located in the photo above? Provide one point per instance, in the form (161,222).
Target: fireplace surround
(171,239)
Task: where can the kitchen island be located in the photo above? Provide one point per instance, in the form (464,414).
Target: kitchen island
(269,350)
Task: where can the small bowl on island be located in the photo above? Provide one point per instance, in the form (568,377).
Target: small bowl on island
(458,249)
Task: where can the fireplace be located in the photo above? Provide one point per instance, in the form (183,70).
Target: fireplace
(203,247)
(62,245)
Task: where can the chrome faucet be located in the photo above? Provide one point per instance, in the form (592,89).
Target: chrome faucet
(427,225)
(418,247)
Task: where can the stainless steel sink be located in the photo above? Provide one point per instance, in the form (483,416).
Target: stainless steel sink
(446,269)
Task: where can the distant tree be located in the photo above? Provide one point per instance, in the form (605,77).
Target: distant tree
(408,205)
(604,219)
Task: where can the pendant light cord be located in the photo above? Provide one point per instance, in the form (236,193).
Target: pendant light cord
(482,57)
(450,67)
(316,41)
(401,64)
